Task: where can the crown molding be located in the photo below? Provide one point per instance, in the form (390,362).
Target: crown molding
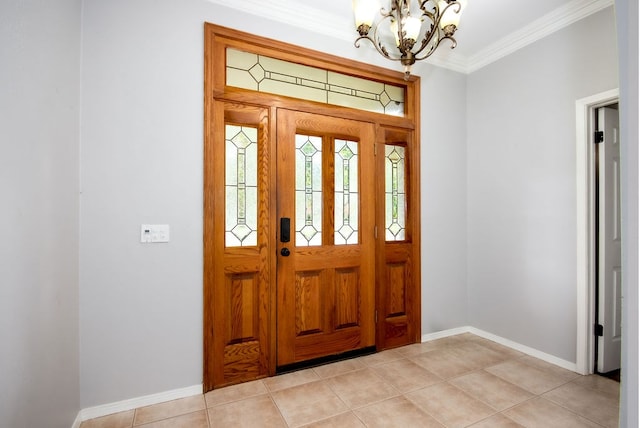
(291,13)
(559,18)
(449,59)
(321,22)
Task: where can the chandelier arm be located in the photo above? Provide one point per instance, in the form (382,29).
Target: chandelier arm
(436,16)
(435,29)
(425,12)
(388,14)
(398,6)
(452,4)
(453,41)
(381,51)
(428,37)
(376,37)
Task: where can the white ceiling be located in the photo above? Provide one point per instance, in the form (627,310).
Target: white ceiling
(489,29)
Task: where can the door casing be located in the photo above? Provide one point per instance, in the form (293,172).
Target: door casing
(585,225)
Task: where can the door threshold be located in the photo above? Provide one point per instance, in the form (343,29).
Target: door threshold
(614,375)
(288,368)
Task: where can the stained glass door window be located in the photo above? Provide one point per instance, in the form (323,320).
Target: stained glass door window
(346,192)
(308,190)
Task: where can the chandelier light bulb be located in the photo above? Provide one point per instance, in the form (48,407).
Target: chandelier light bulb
(451,15)
(412,27)
(364,12)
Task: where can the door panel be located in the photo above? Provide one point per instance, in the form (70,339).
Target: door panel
(609,242)
(398,296)
(325,288)
(237,245)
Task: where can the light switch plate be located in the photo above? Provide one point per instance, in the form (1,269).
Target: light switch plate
(153,233)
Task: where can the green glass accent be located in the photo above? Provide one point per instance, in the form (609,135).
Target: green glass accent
(308,149)
(346,152)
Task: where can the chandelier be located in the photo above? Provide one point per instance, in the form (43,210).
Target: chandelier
(406,22)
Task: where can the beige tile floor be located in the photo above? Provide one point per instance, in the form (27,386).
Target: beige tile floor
(458,381)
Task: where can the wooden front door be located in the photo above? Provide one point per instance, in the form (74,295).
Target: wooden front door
(326,245)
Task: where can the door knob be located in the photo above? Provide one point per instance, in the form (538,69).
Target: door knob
(285,252)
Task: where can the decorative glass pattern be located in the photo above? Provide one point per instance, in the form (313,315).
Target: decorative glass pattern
(241,186)
(346,192)
(395,193)
(264,74)
(308,190)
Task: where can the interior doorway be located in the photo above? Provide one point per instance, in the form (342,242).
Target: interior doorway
(597,197)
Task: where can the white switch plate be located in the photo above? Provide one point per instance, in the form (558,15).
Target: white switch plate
(154,233)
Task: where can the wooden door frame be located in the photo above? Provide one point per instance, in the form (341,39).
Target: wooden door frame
(216,41)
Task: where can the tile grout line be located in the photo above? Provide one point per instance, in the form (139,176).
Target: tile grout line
(273,400)
(571,411)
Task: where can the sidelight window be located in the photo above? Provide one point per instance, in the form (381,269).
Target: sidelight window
(395,193)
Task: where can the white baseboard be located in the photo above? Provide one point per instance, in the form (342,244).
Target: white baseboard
(444,333)
(134,403)
(77,422)
(506,342)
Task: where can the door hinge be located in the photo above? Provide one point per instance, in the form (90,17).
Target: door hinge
(375,150)
(376,316)
(598,137)
(598,330)
(375,232)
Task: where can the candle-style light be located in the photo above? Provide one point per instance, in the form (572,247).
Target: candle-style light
(408,20)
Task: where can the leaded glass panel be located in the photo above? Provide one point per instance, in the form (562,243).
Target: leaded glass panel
(241,186)
(346,192)
(395,193)
(264,74)
(308,190)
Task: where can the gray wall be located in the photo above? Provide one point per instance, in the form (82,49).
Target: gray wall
(522,183)
(142,144)
(627,24)
(141,162)
(39,140)
(444,199)
(503,188)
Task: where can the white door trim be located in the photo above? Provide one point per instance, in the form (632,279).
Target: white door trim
(585,227)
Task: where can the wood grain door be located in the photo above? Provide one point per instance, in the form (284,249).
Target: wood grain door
(238,245)
(397,253)
(325,268)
